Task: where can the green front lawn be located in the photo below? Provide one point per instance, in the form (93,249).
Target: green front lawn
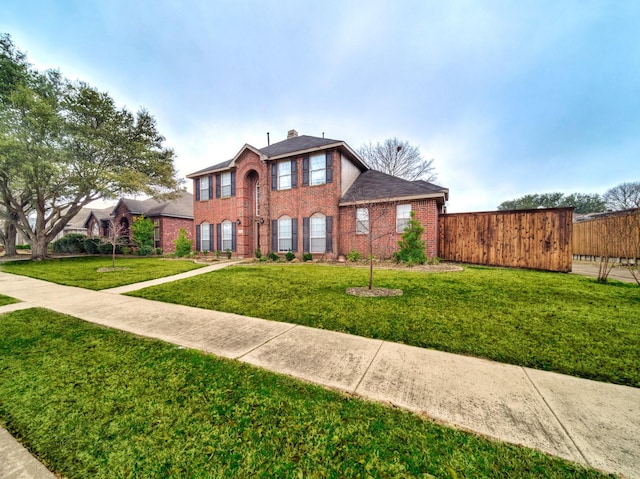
(4,300)
(83,272)
(98,403)
(549,321)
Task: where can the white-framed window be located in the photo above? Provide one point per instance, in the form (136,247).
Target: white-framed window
(204,188)
(362,220)
(225,184)
(285,234)
(205,237)
(318,234)
(95,230)
(284,175)
(227,236)
(403,215)
(318,169)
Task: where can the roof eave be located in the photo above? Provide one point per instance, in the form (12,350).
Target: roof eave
(442,195)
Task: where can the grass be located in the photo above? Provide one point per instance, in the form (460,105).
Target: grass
(83,272)
(548,321)
(4,300)
(93,402)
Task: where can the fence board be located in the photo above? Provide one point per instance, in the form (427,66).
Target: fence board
(535,239)
(614,235)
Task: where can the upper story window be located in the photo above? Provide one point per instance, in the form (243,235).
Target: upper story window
(225,183)
(284,175)
(203,188)
(317,169)
(403,215)
(362,220)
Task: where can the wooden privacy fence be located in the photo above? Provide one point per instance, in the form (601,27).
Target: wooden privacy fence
(614,235)
(535,239)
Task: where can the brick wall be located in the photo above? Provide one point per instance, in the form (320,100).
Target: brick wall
(382,220)
(170,229)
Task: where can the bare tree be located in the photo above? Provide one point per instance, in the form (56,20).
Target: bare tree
(117,232)
(398,158)
(630,236)
(373,220)
(623,196)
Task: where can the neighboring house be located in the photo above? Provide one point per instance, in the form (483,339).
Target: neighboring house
(308,195)
(168,216)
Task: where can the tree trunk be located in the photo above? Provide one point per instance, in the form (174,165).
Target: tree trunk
(39,247)
(10,240)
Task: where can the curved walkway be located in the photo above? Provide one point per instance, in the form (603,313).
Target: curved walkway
(592,423)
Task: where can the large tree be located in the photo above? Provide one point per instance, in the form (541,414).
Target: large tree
(623,196)
(583,203)
(65,144)
(398,158)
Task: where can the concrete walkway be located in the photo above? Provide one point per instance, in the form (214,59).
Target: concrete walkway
(592,423)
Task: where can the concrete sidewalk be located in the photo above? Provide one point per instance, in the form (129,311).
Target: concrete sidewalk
(593,423)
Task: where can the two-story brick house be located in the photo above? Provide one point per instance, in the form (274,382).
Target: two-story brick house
(168,217)
(307,195)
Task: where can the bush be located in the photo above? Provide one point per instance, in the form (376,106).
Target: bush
(90,245)
(273,256)
(23,246)
(183,244)
(411,244)
(353,256)
(228,253)
(145,250)
(142,234)
(258,253)
(307,256)
(157,251)
(107,248)
(218,253)
(70,243)
(290,255)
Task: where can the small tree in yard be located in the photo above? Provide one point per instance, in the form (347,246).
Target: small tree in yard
(411,245)
(117,231)
(142,234)
(183,244)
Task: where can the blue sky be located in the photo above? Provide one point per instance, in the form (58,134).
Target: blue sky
(508,97)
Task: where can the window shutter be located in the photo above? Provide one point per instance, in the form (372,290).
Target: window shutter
(274,235)
(211,237)
(197,237)
(329,233)
(210,187)
(233,237)
(305,171)
(305,235)
(329,158)
(197,188)
(294,173)
(274,176)
(294,235)
(219,236)
(233,183)
(218,181)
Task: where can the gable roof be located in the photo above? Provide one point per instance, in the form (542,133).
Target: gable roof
(180,207)
(99,215)
(374,186)
(298,145)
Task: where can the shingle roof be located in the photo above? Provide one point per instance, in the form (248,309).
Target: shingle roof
(181,207)
(302,143)
(377,186)
(297,143)
(100,215)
